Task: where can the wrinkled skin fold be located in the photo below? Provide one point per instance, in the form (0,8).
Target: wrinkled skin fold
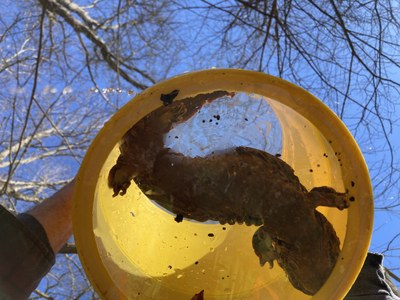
(238,185)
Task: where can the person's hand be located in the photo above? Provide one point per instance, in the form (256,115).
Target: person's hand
(55,215)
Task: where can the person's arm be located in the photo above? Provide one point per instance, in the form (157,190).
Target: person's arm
(29,241)
(55,215)
(372,282)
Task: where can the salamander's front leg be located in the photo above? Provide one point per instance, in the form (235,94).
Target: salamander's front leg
(262,245)
(327,196)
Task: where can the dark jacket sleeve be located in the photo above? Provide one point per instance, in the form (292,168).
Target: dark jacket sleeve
(372,282)
(25,255)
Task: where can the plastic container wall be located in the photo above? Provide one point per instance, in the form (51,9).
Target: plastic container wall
(132,249)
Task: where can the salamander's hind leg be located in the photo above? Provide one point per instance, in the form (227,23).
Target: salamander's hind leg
(262,245)
(119,179)
(327,196)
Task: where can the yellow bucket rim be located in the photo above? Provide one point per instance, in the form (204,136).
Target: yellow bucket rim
(360,219)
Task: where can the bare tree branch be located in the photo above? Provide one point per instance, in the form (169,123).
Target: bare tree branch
(112,60)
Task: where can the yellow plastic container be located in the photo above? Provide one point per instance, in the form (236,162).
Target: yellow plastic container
(132,249)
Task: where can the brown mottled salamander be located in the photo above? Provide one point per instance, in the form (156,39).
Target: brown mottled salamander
(237,185)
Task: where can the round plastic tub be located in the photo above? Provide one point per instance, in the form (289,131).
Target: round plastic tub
(130,248)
